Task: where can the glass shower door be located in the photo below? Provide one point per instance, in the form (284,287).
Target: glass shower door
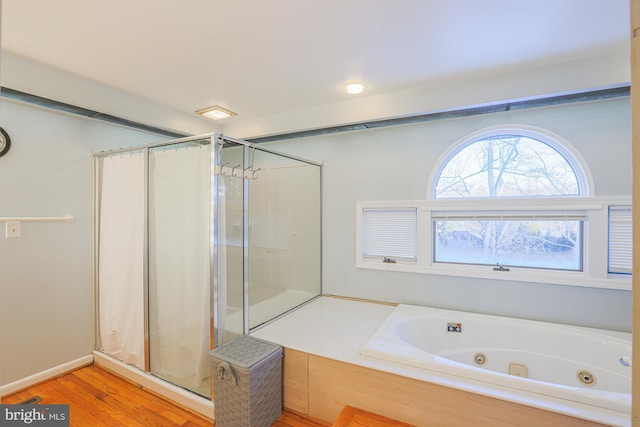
(179,265)
(267,238)
(284,235)
(229,249)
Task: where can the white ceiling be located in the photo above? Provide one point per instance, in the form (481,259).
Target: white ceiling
(260,58)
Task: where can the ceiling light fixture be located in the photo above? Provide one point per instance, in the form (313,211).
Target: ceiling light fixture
(355,88)
(216,113)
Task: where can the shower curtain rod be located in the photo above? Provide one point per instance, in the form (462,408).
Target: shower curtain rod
(201,137)
(171,142)
(153,145)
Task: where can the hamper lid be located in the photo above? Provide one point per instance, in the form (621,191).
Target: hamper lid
(245,351)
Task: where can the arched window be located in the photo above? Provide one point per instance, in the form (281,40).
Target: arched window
(506,164)
(506,203)
(510,162)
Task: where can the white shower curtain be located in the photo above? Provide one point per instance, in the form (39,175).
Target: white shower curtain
(121,314)
(179,264)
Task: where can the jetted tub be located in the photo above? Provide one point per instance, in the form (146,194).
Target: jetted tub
(584,365)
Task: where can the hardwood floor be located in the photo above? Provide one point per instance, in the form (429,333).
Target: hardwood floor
(99,398)
(292,420)
(354,417)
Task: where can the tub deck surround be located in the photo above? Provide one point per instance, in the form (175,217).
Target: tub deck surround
(331,327)
(323,342)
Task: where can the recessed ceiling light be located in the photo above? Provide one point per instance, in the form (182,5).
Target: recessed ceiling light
(355,88)
(216,113)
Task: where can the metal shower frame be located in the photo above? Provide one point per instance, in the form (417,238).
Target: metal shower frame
(217,142)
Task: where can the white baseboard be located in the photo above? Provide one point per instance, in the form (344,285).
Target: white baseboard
(39,377)
(174,393)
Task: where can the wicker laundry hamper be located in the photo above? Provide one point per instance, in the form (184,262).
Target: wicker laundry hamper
(247,381)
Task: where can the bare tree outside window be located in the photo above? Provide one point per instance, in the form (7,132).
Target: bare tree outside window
(509,166)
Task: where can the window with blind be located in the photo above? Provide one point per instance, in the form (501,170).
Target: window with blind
(390,235)
(620,240)
(506,204)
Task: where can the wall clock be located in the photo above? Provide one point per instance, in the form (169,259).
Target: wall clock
(5,142)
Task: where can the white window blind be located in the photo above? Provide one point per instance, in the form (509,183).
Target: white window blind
(390,233)
(620,240)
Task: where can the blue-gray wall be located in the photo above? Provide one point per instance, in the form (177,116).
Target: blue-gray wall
(46,276)
(396,163)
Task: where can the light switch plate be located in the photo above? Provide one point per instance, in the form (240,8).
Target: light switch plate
(12,229)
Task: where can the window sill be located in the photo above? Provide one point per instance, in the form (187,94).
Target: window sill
(567,278)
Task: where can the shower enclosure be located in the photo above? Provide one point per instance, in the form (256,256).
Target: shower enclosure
(199,241)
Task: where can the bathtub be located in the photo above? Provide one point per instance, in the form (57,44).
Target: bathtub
(574,364)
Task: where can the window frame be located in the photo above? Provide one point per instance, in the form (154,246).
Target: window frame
(520,216)
(595,241)
(571,155)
